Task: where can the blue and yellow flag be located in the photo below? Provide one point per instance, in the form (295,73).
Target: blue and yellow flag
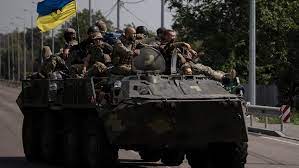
(53,13)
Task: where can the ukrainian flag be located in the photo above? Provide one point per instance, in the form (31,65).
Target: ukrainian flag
(53,13)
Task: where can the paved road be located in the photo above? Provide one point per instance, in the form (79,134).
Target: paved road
(264,152)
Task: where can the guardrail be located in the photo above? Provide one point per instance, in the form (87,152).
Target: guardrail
(265,111)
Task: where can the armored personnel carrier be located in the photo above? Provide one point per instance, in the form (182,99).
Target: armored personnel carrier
(84,122)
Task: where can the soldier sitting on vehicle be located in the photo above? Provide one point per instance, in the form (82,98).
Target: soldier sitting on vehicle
(186,56)
(52,63)
(168,46)
(70,41)
(124,52)
(97,58)
(156,41)
(80,52)
(141,33)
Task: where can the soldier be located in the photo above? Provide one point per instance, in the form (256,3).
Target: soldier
(70,41)
(102,27)
(156,41)
(168,46)
(97,58)
(141,33)
(80,52)
(185,59)
(124,52)
(51,63)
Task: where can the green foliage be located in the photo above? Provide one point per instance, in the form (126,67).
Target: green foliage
(222,26)
(295,118)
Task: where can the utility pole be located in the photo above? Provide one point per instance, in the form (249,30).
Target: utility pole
(118,14)
(90,13)
(25,53)
(53,42)
(32,39)
(42,46)
(13,56)
(252,53)
(162,13)
(8,56)
(18,55)
(1,58)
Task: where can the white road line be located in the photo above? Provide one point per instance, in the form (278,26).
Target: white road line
(278,140)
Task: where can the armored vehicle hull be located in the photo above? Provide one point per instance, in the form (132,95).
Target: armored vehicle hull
(83,122)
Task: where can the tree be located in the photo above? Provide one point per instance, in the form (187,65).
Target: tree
(221,27)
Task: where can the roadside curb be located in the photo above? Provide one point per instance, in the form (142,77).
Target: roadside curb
(268,132)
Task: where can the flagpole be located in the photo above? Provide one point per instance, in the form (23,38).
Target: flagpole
(90,14)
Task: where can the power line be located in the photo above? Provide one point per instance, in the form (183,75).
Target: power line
(136,2)
(126,9)
(108,12)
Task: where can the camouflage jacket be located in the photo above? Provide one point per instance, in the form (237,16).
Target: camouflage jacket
(97,54)
(123,52)
(52,64)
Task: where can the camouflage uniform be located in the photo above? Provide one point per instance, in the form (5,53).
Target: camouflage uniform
(51,63)
(99,61)
(122,56)
(98,57)
(167,50)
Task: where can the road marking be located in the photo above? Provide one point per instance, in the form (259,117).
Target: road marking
(278,140)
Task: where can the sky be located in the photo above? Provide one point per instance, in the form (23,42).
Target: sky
(148,13)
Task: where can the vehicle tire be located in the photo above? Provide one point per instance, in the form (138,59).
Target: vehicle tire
(71,142)
(48,138)
(219,155)
(98,151)
(172,157)
(150,155)
(31,138)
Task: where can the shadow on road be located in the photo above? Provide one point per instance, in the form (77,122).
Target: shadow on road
(20,162)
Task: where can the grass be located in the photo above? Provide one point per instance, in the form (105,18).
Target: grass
(276,120)
(295,118)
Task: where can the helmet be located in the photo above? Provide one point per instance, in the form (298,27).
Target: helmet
(101,25)
(69,33)
(97,35)
(70,30)
(161,30)
(93,29)
(141,30)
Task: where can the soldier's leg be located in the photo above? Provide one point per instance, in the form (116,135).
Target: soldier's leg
(122,69)
(76,70)
(98,69)
(208,71)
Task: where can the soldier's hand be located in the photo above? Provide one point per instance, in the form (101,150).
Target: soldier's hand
(84,71)
(188,46)
(136,53)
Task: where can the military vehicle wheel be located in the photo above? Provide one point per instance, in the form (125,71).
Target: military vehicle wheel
(99,152)
(150,155)
(48,138)
(31,138)
(71,142)
(219,155)
(172,157)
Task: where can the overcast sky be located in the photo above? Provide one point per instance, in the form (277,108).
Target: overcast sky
(147,11)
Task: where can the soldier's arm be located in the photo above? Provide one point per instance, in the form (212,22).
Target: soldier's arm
(86,62)
(123,50)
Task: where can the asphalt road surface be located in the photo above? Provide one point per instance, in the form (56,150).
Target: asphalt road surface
(264,151)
